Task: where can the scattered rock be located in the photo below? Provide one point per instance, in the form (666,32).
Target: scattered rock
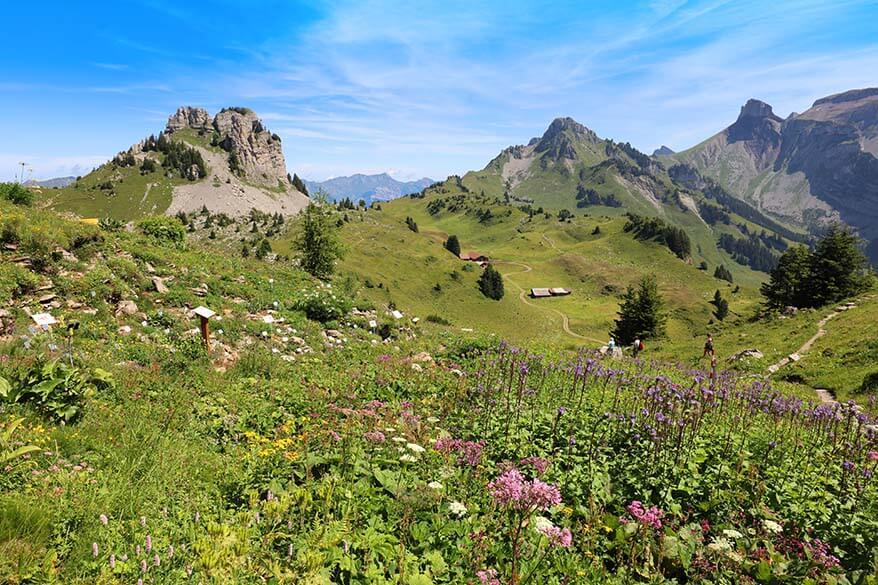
(423,357)
(159,285)
(125,330)
(789,311)
(746,354)
(126,308)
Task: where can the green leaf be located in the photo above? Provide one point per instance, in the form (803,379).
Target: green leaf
(18,453)
(5,388)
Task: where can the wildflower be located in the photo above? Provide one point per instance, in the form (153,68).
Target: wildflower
(389,430)
(457,509)
(94,549)
(408,458)
(415,447)
(821,554)
(112,561)
(374,437)
(399,440)
(733,534)
(513,490)
(720,544)
(143,520)
(335,436)
(847,465)
(143,566)
(432,419)
(772,526)
(189,570)
(651,517)
(538,463)
(560,537)
(488,577)
(148,543)
(542,523)
(435,485)
(873,455)
(157,561)
(171,551)
(104,520)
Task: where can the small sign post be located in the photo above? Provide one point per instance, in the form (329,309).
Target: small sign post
(204,314)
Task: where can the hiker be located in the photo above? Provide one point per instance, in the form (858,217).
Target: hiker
(611,345)
(708,346)
(637,347)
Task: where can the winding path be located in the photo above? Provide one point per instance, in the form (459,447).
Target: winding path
(825,396)
(522,296)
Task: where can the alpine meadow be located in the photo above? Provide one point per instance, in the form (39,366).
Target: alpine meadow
(630,337)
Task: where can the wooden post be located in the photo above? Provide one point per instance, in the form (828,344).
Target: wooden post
(205,314)
(205,332)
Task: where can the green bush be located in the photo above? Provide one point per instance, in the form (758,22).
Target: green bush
(15,193)
(163,228)
(870,383)
(323,305)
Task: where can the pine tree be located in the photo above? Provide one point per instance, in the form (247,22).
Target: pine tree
(452,244)
(640,314)
(790,281)
(491,283)
(838,265)
(317,241)
(411,224)
(722,306)
(264,249)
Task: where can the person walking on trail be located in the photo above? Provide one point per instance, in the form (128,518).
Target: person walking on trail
(611,345)
(708,346)
(637,347)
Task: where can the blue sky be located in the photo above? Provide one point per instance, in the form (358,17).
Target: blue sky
(412,88)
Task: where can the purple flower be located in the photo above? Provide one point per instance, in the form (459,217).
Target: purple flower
(94,549)
(560,537)
(488,577)
(148,543)
(112,561)
(511,489)
(648,517)
(374,437)
(104,520)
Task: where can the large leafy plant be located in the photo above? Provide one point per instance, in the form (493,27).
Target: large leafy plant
(57,389)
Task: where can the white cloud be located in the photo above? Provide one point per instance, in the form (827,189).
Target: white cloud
(47,167)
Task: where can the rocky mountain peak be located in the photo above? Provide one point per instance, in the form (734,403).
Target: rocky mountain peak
(559,138)
(757,109)
(662,151)
(189,117)
(254,152)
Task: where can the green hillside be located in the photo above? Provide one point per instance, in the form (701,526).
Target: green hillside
(305,447)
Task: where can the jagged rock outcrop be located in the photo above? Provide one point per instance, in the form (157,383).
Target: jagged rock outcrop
(260,158)
(255,154)
(811,169)
(662,151)
(187,117)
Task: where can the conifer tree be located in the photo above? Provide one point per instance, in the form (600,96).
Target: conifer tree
(452,244)
(491,283)
(641,314)
(317,241)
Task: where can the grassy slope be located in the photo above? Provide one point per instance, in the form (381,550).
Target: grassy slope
(595,267)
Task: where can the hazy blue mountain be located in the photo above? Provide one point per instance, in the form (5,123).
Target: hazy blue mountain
(57,182)
(381,187)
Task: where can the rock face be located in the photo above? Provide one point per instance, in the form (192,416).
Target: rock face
(259,153)
(560,138)
(811,169)
(186,117)
(255,154)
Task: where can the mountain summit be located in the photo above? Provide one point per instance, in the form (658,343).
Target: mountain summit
(811,169)
(230,163)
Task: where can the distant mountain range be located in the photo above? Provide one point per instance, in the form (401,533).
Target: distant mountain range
(56,183)
(810,169)
(371,188)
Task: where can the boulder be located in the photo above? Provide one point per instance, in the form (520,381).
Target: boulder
(746,354)
(126,308)
(159,285)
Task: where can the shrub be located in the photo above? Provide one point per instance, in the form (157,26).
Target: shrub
(163,229)
(438,320)
(870,383)
(15,193)
(323,305)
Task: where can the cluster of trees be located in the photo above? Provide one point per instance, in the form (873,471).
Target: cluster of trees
(491,283)
(16,193)
(452,244)
(713,214)
(411,224)
(723,273)
(641,313)
(124,159)
(749,252)
(299,184)
(834,270)
(652,228)
(178,156)
(587,196)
